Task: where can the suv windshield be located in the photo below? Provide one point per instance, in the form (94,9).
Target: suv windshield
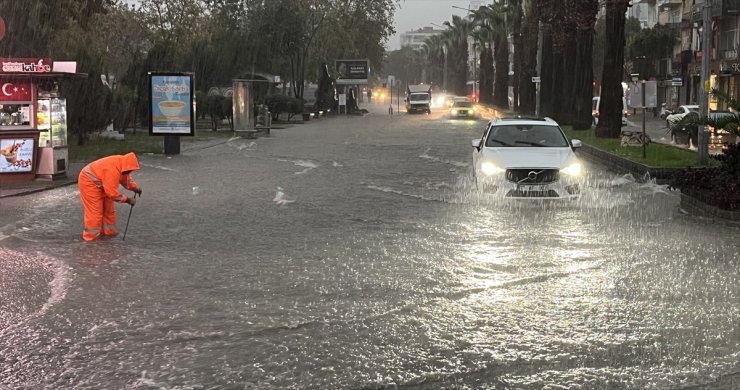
(526,136)
(462,104)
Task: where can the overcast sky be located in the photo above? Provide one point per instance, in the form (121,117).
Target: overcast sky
(415,14)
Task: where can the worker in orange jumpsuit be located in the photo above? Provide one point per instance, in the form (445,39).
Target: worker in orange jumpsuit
(98,183)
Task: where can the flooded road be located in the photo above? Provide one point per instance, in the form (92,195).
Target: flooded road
(354,253)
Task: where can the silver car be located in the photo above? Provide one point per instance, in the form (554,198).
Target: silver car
(527,158)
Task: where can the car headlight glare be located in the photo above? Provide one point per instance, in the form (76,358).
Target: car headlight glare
(572,169)
(454,112)
(490,168)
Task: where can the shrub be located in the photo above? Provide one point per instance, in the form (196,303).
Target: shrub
(278,104)
(719,187)
(215,108)
(296,107)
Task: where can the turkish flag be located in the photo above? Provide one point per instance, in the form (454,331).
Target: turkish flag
(15,90)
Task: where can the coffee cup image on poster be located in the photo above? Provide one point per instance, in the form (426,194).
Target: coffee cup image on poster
(16,155)
(171,104)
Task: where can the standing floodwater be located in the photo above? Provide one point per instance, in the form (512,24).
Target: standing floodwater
(354,253)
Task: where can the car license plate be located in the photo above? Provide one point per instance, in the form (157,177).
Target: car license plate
(533,188)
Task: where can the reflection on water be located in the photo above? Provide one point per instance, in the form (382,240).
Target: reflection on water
(614,290)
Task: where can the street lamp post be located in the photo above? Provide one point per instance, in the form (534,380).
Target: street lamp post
(444,83)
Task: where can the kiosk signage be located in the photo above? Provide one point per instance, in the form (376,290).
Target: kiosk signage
(171,110)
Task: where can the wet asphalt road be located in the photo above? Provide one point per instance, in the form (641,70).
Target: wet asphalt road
(352,253)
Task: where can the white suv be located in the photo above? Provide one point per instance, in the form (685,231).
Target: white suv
(527,158)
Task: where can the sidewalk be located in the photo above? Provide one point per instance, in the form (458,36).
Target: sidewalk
(658,132)
(25,188)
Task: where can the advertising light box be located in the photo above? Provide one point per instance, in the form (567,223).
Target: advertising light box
(171,109)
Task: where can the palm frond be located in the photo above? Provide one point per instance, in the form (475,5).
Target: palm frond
(731,101)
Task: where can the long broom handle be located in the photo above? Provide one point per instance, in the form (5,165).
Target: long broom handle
(128,220)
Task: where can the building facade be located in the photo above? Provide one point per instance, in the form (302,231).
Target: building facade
(415,38)
(679,77)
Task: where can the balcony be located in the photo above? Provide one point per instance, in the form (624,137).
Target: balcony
(720,8)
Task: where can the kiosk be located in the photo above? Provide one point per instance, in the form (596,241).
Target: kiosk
(33,119)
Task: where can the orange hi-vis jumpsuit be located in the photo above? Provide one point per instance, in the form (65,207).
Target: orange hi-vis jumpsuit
(98,183)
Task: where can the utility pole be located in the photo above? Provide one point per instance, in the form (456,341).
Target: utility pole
(444,86)
(539,67)
(706,39)
(475,73)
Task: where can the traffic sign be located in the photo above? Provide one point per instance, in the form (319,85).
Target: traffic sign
(536,79)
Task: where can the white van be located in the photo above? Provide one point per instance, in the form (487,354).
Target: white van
(595,101)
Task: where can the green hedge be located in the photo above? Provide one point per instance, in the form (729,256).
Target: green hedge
(278,104)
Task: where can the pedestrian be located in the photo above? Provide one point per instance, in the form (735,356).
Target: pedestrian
(369,95)
(98,183)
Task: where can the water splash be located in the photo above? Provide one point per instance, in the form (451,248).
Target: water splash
(280,198)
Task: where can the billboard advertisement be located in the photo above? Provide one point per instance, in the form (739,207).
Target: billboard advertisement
(16,155)
(171,104)
(351,72)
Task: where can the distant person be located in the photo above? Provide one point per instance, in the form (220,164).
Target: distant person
(98,183)
(369,95)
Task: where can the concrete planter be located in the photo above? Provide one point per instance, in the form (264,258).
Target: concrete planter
(695,205)
(623,165)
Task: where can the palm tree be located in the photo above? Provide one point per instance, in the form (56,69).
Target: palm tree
(432,55)
(495,20)
(610,108)
(456,37)
(482,38)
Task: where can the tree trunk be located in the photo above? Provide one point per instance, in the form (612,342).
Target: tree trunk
(516,28)
(527,68)
(546,73)
(563,87)
(610,106)
(501,85)
(486,76)
(460,72)
(583,87)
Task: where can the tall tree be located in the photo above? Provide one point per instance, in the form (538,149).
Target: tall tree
(610,107)
(292,27)
(482,40)
(433,56)
(456,37)
(495,18)
(582,92)
(525,57)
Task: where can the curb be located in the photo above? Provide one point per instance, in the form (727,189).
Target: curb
(35,190)
(623,165)
(695,206)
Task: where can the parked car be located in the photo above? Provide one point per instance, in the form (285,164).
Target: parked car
(463,109)
(595,104)
(677,115)
(527,158)
(684,132)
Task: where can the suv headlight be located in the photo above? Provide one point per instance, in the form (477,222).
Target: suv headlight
(573,169)
(490,168)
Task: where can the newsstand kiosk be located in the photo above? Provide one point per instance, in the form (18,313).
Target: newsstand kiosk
(33,119)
